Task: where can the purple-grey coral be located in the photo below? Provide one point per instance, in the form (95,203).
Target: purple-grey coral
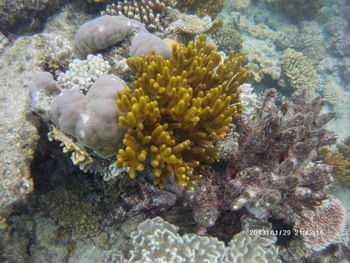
(103,32)
(272,173)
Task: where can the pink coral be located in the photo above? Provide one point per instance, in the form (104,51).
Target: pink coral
(321,229)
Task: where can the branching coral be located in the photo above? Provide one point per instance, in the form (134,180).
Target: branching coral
(179,108)
(340,160)
(273,173)
(297,71)
(152,13)
(273,170)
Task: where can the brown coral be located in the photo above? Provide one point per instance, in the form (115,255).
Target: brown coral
(200,7)
(339,159)
(179,108)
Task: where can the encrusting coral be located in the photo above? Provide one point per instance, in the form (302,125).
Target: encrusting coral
(179,108)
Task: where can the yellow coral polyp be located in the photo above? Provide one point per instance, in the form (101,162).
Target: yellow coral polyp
(179,109)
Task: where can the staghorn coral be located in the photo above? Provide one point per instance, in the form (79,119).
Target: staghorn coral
(178,109)
(297,71)
(298,9)
(153,13)
(339,159)
(323,227)
(272,173)
(200,7)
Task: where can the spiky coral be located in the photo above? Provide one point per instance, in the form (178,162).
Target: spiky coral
(340,160)
(154,13)
(178,109)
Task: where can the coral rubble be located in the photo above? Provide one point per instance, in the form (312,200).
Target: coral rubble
(179,107)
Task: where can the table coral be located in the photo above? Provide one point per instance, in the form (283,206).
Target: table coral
(179,108)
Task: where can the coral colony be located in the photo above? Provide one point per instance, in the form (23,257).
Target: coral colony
(172,149)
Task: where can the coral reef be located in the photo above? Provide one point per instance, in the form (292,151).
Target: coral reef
(29,14)
(339,159)
(157,240)
(322,228)
(298,9)
(153,13)
(178,109)
(91,118)
(297,71)
(227,39)
(81,74)
(272,173)
(69,211)
(200,7)
(103,32)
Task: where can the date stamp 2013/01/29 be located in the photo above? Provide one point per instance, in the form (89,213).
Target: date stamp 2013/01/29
(284,232)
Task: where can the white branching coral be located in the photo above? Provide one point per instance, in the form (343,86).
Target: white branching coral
(83,73)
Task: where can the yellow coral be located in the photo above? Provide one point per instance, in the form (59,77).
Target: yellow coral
(178,109)
(340,160)
(201,7)
(79,154)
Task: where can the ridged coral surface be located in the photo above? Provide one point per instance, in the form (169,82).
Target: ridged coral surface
(178,109)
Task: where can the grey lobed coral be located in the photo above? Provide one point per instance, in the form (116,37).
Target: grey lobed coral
(156,240)
(145,43)
(104,32)
(91,118)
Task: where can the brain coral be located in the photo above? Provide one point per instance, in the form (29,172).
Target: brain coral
(179,108)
